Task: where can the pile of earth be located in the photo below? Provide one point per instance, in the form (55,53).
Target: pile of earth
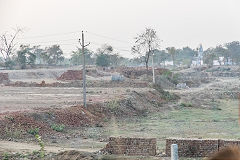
(19,124)
(194,78)
(73,75)
(4,79)
(225,71)
(134,73)
(22,124)
(78,84)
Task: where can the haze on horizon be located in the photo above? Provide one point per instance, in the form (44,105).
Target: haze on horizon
(179,23)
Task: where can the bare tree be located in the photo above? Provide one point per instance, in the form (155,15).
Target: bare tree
(145,44)
(8,44)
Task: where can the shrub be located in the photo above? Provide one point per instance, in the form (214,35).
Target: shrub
(58,127)
(33,131)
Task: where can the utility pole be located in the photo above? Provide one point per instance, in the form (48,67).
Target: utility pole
(84,71)
(153,71)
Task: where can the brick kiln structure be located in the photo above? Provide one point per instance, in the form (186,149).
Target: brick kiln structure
(198,147)
(131,146)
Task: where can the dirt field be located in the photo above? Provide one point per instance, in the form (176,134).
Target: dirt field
(27,98)
(209,109)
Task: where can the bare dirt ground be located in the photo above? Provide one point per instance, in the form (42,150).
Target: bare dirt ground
(201,111)
(27,98)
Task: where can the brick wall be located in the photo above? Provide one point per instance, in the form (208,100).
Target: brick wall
(225,143)
(198,147)
(193,147)
(131,146)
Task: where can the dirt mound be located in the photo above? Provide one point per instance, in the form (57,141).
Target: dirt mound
(134,73)
(71,75)
(41,120)
(76,116)
(4,78)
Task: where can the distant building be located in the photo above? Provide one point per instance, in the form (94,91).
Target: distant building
(222,61)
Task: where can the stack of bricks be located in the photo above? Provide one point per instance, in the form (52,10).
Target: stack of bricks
(225,143)
(193,147)
(131,146)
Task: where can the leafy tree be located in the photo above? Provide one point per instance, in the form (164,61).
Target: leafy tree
(145,44)
(22,56)
(172,52)
(105,57)
(233,51)
(209,56)
(54,55)
(26,56)
(103,60)
(77,57)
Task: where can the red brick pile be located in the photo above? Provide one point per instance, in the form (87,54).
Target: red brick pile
(131,146)
(4,77)
(198,147)
(71,75)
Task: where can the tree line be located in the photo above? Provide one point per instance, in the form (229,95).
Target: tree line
(146,46)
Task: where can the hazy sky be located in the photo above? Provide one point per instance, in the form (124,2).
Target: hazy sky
(179,23)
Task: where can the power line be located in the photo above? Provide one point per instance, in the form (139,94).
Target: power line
(50,35)
(117,48)
(56,41)
(107,37)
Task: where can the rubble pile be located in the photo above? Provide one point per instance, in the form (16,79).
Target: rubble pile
(134,73)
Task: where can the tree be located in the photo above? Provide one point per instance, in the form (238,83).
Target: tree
(41,56)
(7,46)
(172,52)
(233,51)
(102,60)
(145,44)
(55,55)
(26,56)
(209,56)
(77,57)
(21,56)
(103,55)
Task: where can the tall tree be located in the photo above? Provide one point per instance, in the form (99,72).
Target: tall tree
(172,52)
(55,55)
(77,56)
(145,44)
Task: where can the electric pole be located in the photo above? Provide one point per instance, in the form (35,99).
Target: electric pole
(153,71)
(84,71)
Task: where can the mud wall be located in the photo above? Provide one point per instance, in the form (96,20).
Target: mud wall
(198,147)
(131,146)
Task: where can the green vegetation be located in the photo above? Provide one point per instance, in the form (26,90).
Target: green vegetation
(184,123)
(33,131)
(41,144)
(58,127)
(183,105)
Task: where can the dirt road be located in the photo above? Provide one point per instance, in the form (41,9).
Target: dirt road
(9,146)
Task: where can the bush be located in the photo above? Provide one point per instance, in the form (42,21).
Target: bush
(185,105)
(58,127)
(33,131)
